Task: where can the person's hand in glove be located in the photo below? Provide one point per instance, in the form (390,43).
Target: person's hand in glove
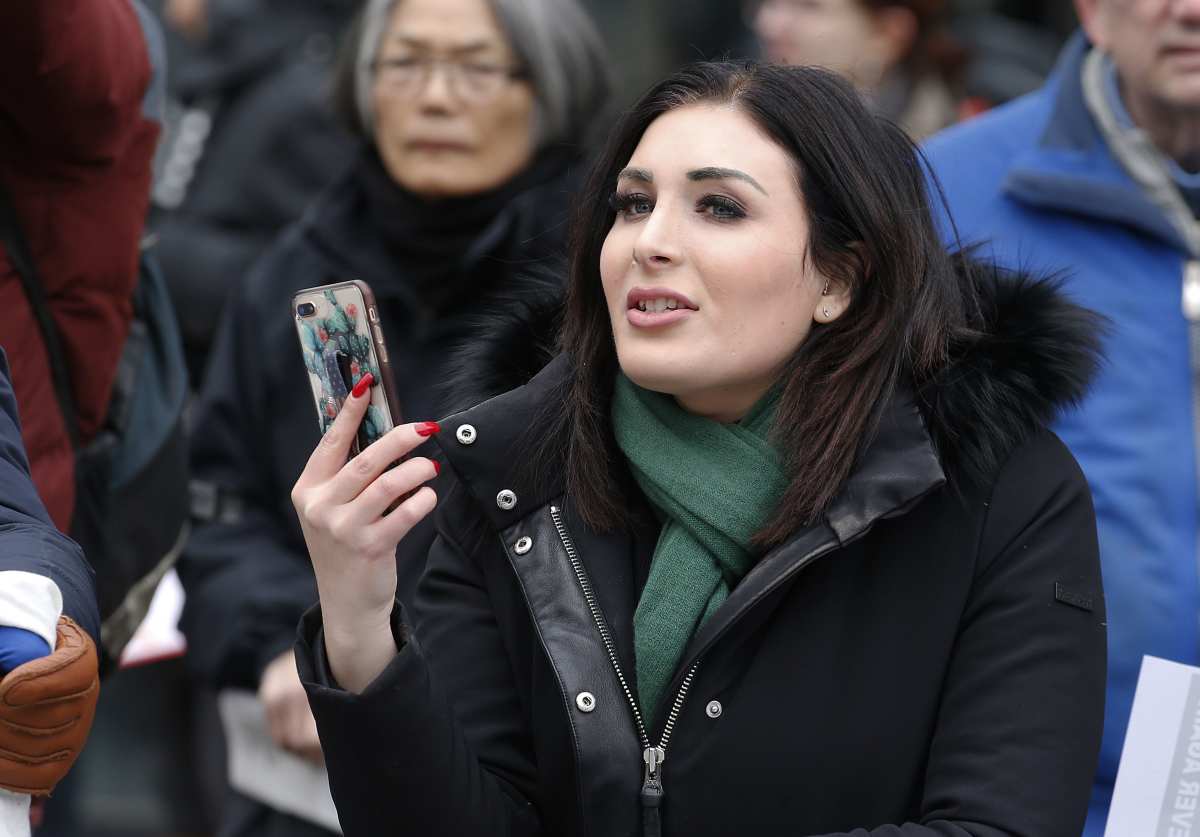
(47,705)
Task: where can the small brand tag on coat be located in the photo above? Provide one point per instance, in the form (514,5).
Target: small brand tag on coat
(1079,600)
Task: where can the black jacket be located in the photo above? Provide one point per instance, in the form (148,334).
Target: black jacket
(927,660)
(246,571)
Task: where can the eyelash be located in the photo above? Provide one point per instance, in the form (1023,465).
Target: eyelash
(623,202)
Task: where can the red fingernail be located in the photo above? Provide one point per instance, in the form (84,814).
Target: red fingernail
(364,384)
(437,469)
(428,428)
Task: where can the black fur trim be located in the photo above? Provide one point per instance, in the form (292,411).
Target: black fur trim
(514,335)
(1033,356)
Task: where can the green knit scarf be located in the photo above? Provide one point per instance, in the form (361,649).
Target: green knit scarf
(714,485)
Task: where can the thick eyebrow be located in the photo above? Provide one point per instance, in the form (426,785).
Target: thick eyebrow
(636,174)
(716,173)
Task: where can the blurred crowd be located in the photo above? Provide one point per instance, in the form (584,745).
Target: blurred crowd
(433,151)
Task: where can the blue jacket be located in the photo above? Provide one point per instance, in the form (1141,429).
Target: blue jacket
(1035,185)
(28,540)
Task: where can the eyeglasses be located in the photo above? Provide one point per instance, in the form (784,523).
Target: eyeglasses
(475,82)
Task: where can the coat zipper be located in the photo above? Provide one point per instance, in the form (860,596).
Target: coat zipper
(653,756)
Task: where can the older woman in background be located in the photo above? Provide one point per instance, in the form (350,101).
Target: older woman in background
(472,114)
(896,52)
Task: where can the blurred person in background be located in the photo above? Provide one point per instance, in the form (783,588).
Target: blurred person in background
(472,117)
(80,113)
(252,142)
(898,54)
(1098,173)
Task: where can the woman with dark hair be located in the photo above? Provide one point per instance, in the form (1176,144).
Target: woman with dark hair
(779,544)
(473,118)
(899,53)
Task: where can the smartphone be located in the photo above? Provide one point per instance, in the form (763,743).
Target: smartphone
(342,340)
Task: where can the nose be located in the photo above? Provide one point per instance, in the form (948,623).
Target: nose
(771,21)
(657,246)
(437,93)
(1187,11)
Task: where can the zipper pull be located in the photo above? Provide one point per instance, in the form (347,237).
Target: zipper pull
(652,792)
(1191,290)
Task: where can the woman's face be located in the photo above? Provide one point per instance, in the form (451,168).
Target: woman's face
(839,35)
(460,125)
(710,227)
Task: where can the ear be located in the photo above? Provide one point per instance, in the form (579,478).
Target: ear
(834,300)
(1093,20)
(896,28)
(837,293)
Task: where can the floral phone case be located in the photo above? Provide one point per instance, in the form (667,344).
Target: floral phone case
(341,341)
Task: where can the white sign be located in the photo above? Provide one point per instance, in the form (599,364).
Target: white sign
(261,770)
(1158,783)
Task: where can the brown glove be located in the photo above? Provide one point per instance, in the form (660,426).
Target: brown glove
(46,711)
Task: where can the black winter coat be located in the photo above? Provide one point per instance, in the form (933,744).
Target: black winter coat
(246,570)
(927,660)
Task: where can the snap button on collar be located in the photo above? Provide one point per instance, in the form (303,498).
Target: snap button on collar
(714,709)
(586,701)
(523,545)
(466,434)
(506,500)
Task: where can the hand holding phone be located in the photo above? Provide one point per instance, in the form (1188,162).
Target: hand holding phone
(353,515)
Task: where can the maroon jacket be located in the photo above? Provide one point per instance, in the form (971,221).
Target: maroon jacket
(75,155)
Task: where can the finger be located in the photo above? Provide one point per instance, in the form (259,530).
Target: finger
(363,469)
(276,723)
(330,455)
(397,523)
(310,741)
(302,728)
(389,487)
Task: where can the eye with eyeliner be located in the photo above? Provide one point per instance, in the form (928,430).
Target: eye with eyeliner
(720,208)
(630,204)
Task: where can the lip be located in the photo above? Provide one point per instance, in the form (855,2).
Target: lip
(656,319)
(1182,50)
(437,145)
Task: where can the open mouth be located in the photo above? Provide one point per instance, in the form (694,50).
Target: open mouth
(657,307)
(657,300)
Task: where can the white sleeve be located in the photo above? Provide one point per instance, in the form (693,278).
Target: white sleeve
(14,814)
(32,602)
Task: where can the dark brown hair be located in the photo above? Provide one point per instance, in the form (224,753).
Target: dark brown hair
(870,227)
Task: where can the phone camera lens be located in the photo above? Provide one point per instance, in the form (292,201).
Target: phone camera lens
(306,309)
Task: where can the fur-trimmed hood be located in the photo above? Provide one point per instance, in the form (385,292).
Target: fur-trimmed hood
(1034,356)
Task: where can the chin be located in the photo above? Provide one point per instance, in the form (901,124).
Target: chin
(657,373)
(435,184)
(1185,95)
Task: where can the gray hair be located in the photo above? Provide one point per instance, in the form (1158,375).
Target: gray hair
(555,40)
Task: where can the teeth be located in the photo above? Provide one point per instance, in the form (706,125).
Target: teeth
(657,306)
